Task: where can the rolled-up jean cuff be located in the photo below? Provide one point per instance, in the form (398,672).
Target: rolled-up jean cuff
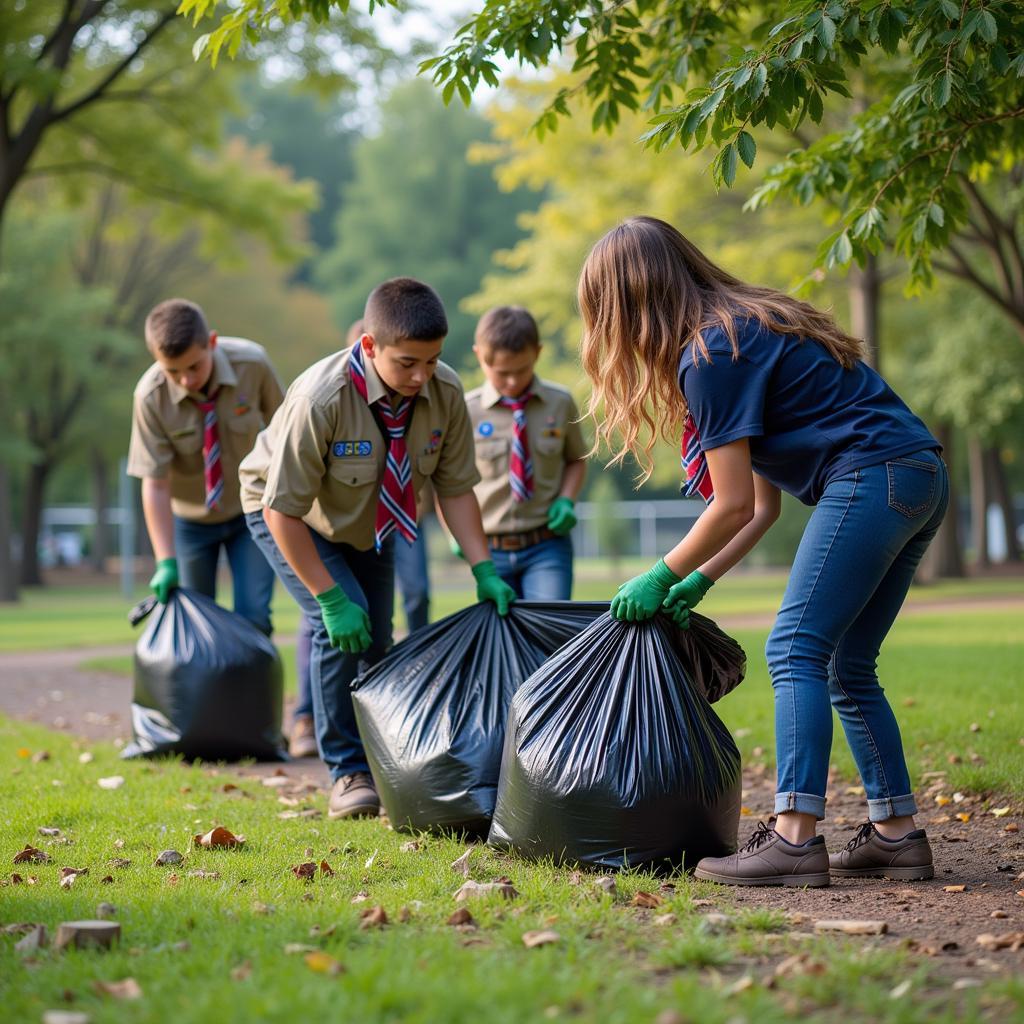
(802,803)
(892,807)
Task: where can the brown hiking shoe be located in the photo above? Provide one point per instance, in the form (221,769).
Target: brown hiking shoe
(767,859)
(353,796)
(870,855)
(302,742)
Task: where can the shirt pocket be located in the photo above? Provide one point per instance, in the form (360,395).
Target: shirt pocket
(354,472)
(243,431)
(548,455)
(426,462)
(492,458)
(187,441)
(911,485)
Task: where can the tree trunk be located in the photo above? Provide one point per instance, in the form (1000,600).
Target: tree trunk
(1001,495)
(943,559)
(979,501)
(865,306)
(101,500)
(31,523)
(8,579)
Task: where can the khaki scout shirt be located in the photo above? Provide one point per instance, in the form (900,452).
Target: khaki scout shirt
(167,427)
(555,439)
(322,457)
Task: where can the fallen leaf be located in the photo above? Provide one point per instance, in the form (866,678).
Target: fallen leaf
(664,920)
(31,855)
(317,932)
(43,831)
(410,847)
(111,782)
(606,883)
(85,757)
(954,888)
(473,890)
(461,865)
(746,811)
(306,870)
(323,963)
(168,857)
(942,800)
(1000,812)
(374,917)
(648,900)
(16,879)
(258,907)
(404,915)
(293,948)
(34,940)
(119,862)
(172,879)
(40,756)
(65,1016)
(370,860)
(118,844)
(326,870)
(105,911)
(974,727)
(964,816)
(739,985)
(228,787)
(1012,941)
(852,927)
(854,790)
(24,752)
(218,838)
(309,812)
(575,877)
(242,972)
(461,918)
(276,781)
(540,938)
(128,988)
(200,873)
(308,852)
(1012,827)
(799,964)
(901,989)
(107,880)
(360,897)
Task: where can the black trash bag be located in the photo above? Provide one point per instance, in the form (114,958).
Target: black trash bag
(614,758)
(432,713)
(208,683)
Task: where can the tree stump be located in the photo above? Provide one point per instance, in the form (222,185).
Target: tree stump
(82,934)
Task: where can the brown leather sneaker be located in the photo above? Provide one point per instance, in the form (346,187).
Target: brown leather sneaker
(353,796)
(870,855)
(302,742)
(767,859)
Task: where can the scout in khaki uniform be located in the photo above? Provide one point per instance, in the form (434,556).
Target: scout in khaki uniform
(197,412)
(529,452)
(335,476)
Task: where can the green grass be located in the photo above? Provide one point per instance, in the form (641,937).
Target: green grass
(613,963)
(51,618)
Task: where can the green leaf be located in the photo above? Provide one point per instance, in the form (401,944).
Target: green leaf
(987,27)
(711,104)
(758,81)
(936,214)
(950,9)
(826,32)
(942,89)
(746,147)
(729,164)
(742,76)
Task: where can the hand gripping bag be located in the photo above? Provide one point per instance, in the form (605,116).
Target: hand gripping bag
(613,756)
(432,713)
(208,683)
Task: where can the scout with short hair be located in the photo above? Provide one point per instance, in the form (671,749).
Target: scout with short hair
(335,476)
(529,452)
(196,415)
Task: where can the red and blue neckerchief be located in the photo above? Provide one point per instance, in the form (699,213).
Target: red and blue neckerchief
(695,465)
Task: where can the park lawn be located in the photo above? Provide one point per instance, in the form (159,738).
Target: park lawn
(213,949)
(52,618)
(943,671)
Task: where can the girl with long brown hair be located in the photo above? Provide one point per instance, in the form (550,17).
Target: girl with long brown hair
(770,395)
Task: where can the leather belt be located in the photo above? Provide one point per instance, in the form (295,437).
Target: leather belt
(518,541)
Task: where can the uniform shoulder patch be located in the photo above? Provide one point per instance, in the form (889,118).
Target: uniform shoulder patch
(350,449)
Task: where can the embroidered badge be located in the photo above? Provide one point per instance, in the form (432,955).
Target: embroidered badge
(552,432)
(435,442)
(242,405)
(485,429)
(358,449)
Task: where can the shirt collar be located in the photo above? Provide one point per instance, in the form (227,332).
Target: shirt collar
(489,396)
(222,374)
(376,388)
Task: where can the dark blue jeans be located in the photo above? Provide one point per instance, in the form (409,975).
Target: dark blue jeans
(413,579)
(368,579)
(541,572)
(852,571)
(303,654)
(198,545)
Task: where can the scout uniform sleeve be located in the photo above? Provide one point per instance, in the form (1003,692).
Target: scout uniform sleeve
(302,432)
(456,471)
(150,452)
(576,447)
(271,394)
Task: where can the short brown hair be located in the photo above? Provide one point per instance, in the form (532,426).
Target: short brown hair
(174,326)
(404,309)
(508,328)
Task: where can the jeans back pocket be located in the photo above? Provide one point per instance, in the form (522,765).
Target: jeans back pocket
(911,485)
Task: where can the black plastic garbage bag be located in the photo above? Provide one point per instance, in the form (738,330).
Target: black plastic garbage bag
(614,758)
(432,713)
(208,683)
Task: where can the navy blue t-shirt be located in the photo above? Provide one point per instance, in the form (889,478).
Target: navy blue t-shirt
(808,419)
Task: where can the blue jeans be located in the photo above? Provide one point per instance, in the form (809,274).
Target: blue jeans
(413,579)
(851,573)
(541,572)
(368,579)
(198,545)
(303,654)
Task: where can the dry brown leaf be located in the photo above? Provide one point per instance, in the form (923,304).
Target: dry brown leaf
(1012,941)
(373,917)
(292,948)
(200,873)
(105,911)
(664,920)
(360,897)
(306,870)
(119,862)
(107,880)
(474,890)
(16,879)
(799,964)
(404,915)
(852,927)
(942,800)
(218,838)
(1012,827)
(648,900)
(462,918)
(326,870)
(954,888)
(118,844)
(540,938)
(44,831)
(276,781)
(309,812)
(242,972)
(31,855)
(461,864)
(316,932)
(67,872)
(410,847)
(127,988)
(228,787)
(34,940)
(265,909)
(40,755)
(168,857)
(606,883)
(111,782)
(323,963)
(308,852)
(964,816)
(575,877)
(1000,812)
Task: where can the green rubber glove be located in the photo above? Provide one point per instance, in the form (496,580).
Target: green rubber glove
(348,626)
(455,548)
(641,597)
(165,579)
(561,516)
(686,595)
(491,587)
